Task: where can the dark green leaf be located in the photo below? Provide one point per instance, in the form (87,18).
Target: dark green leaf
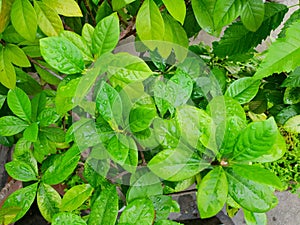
(20,170)
(291,95)
(67,218)
(237,39)
(38,104)
(46,75)
(75,197)
(19,103)
(243,89)
(164,205)
(252,15)
(177,164)
(249,194)
(31,132)
(139,211)
(258,175)
(22,198)
(293,79)
(106,35)
(103,11)
(48,201)
(256,140)
(104,210)
(24,19)
(27,83)
(212,193)
(95,171)
(11,125)
(62,167)
(287,113)
(62,55)
(54,134)
(190,25)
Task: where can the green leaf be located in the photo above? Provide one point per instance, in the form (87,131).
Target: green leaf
(292,19)
(65,97)
(243,90)
(257,174)
(256,140)
(38,104)
(166,222)
(176,8)
(282,55)
(87,34)
(118,4)
(249,194)
(128,68)
(212,192)
(139,211)
(150,24)
(75,197)
(67,218)
(66,8)
(109,104)
(293,79)
(143,184)
(237,39)
(22,198)
(252,15)
(291,95)
(31,132)
(43,147)
(106,35)
(54,134)
(177,164)
(24,19)
(11,125)
(141,117)
(27,83)
(48,20)
(7,215)
(2,100)
(5,8)
(163,206)
(80,43)
(7,71)
(62,55)
(95,171)
(16,55)
(252,218)
(20,171)
(293,124)
(119,146)
(190,25)
(104,210)
(103,11)
(62,167)
(19,103)
(48,200)
(47,117)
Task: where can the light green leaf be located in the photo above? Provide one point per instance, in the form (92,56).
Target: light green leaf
(139,211)
(31,132)
(65,8)
(166,222)
(141,117)
(128,68)
(20,170)
(22,198)
(8,214)
(75,197)
(62,167)
(256,140)
(62,55)
(87,34)
(67,218)
(252,15)
(118,4)
(283,54)
(104,210)
(43,147)
(16,55)
(163,206)
(253,218)
(19,103)
(24,19)
(258,175)
(212,192)
(38,104)
(106,35)
(48,20)
(249,194)
(7,71)
(143,184)
(80,43)
(243,90)
(177,164)
(11,125)
(295,16)
(47,117)
(54,134)
(293,124)
(48,200)
(176,8)
(150,24)
(5,7)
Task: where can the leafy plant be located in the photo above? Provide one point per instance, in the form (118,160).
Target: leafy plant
(120,132)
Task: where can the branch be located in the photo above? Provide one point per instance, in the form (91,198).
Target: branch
(129,30)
